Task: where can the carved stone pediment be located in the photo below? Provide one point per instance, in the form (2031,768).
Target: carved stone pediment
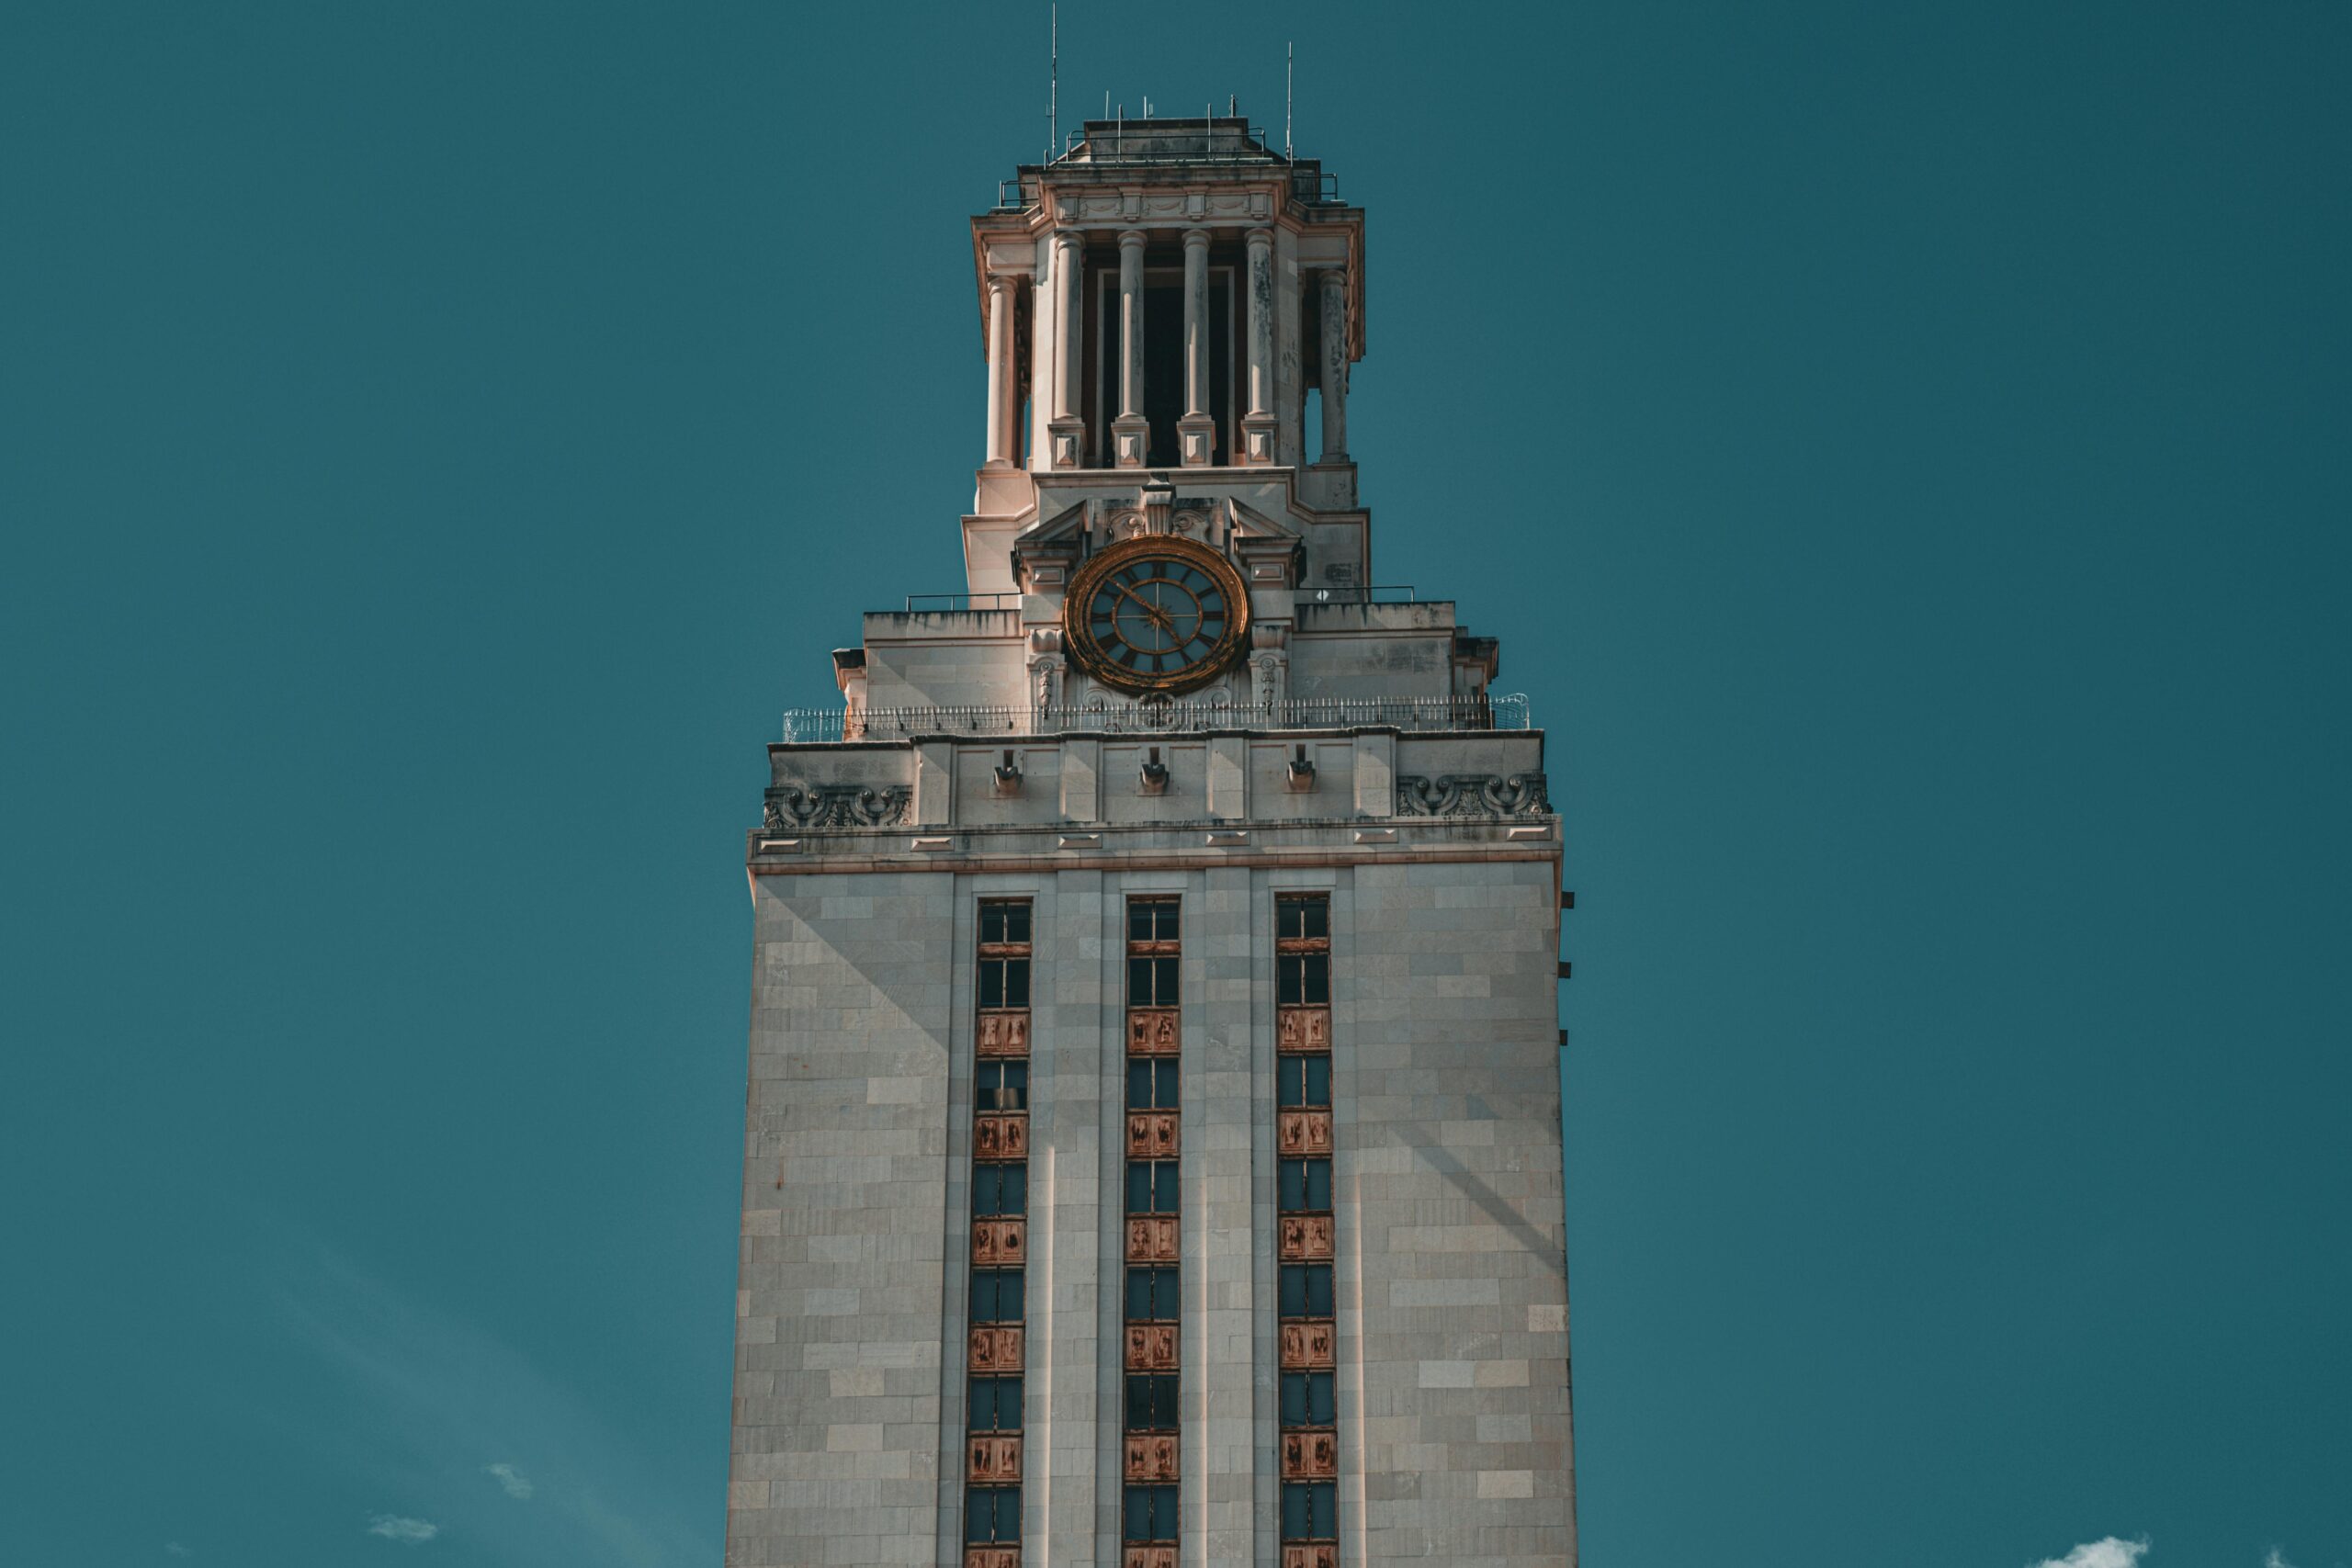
(836,806)
(1472,794)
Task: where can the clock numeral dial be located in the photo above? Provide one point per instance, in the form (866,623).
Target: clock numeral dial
(1156,613)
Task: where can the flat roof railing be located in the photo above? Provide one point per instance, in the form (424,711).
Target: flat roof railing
(1159,716)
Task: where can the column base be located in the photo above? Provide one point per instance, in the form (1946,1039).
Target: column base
(1067,439)
(1257,440)
(1196,440)
(1130,441)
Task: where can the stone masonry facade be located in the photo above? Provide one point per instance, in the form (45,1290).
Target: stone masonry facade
(1340,750)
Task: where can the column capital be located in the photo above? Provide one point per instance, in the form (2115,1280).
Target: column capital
(1260,239)
(1196,239)
(1133,238)
(1068,239)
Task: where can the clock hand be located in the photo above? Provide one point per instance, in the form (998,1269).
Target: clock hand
(1151,612)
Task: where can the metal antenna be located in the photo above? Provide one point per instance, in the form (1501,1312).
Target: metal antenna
(1288,52)
(1053,78)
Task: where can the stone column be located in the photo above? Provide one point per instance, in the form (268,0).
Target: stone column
(1130,432)
(1335,366)
(1258,424)
(1069,429)
(1041,358)
(1196,432)
(1004,381)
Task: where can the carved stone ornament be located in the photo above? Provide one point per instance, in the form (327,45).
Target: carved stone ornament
(836,806)
(1471,794)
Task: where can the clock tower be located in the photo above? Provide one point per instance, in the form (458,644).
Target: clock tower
(1153,1144)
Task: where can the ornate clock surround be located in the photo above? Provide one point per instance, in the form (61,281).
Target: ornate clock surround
(1090,655)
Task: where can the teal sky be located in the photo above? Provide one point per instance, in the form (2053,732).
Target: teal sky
(1902,448)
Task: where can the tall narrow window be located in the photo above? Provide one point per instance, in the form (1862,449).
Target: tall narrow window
(995,1348)
(1151,1437)
(1305,1233)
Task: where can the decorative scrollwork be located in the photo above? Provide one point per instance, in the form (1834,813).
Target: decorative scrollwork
(1472,794)
(837,805)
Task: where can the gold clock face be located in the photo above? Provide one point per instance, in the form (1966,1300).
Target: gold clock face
(1156,613)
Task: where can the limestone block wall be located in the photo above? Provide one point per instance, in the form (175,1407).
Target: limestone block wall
(1453,1289)
(1450,1284)
(840,1326)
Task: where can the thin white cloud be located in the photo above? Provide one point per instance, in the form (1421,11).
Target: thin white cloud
(174,1549)
(2111,1552)
(432,1393)
(392,1526)
(517,1484)
(2274,1558)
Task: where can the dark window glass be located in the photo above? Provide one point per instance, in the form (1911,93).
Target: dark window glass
(1002,1085)
(1004,923)
(1151,919)
(1151,1084)
(1310,1510)
(1151,1402)
(1004,982)
(1151,1295)
(1152,1187)
(1001,1190)
(1302,979)
(1151,982)
(996,1404)
(1150,1513)
(1306,1186)
(1306,1290)
(1308,1400)
(992,1515)
(1297,918)
(1303,1081)
(996,1295)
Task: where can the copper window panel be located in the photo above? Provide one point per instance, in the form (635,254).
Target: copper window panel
(1000,1241)
(1305,1029)
(1004,1032)
(997,1348)
(1151,1347)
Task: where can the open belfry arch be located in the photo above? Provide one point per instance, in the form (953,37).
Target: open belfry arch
(1153,1146)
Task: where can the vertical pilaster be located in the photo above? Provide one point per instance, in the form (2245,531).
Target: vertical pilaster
(1334,324)
(1221,1235)
(1043,378)
(1258,422)
(1196,432)
(1130,432)
(1069,429)
(1076,1076)
(1003,379)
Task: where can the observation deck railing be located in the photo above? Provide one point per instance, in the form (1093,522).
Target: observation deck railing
(1158,716)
